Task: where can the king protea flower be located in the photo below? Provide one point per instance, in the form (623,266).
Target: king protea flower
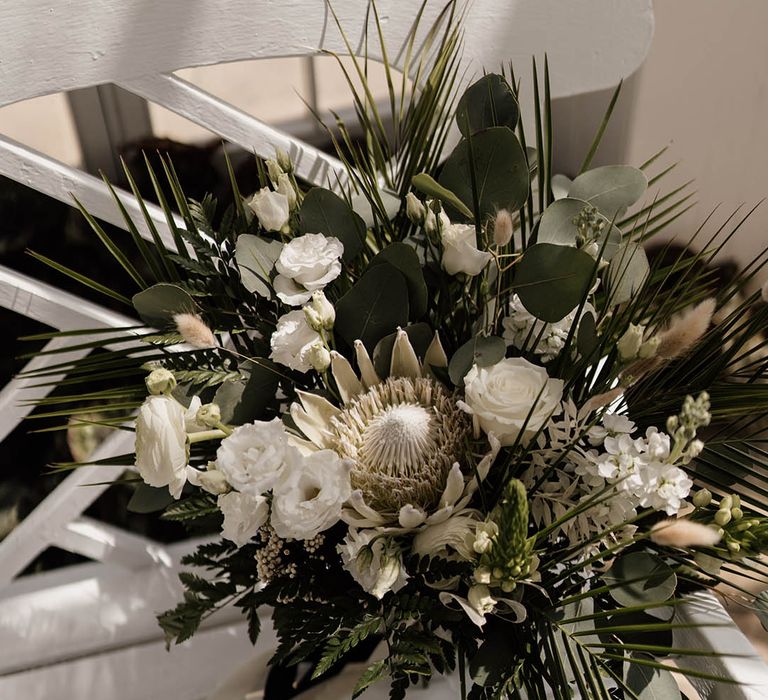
(405,436)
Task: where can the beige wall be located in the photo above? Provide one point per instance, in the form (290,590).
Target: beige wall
(704,90)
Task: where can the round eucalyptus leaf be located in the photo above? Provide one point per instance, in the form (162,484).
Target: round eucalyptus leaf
(556,226)
(611,188)
(420,335)
(158,304)
(149,499)
(551,280)
(634,634)
(374,307)
(405,259)
(255,258)
(323,211)
(640,578)
(627,273)
(648,683)
(586,336)
(245,400)
(488,102)
(500,172)
(361,205)
(482,351)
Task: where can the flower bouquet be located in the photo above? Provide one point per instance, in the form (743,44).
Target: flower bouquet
(448,406)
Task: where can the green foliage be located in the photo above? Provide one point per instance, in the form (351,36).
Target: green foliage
(482,351)
(192,508)
(157,305)
(324,212)
(344,641)
(404,259)
(148,499)
(489,101)
(640,578)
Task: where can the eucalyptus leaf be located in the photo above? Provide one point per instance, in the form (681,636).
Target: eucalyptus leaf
(405,259)
(374,307)
(648,683)
(255,258)
(362,206)
(636,620)
(245,400)
(149,499)
(556,226)
(500,172)
(551,280)
(420,335)
(639,579)
(323,211)
(488,102)
(428,185)
(627,273)
(586,336)
(610,188)
(481,350)
(158,304)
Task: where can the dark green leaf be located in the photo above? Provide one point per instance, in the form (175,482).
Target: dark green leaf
(640,578)
(324,212)
(375,672)
(158,304)
(490,664)
(375,306)
(488,102)
(244,400)
(551,280)
(404,258)
(148,499)
(586,339)
(482,351)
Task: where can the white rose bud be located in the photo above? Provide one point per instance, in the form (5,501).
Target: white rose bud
(283,160)
(502,228)
(319,357)
(271,209)
(432,222)
(209,415)
(629,343)
(414,209)
(214,482)
(320,312)
(274,170)
(648,348)
(160,381)
(285,186)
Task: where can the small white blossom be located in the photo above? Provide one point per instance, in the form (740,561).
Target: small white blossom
(243,516)
(373,561)
(460,252)
(293,340)
(271,208)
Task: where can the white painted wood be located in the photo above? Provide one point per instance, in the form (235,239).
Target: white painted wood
(739,660)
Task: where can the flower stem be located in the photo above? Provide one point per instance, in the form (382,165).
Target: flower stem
(205,435)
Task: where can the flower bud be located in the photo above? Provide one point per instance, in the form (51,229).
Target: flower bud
(508,586)
(726,503)
(209,415)
(482,574)
(160,381)
(285,186)
(723,516)
(648,348)
(283,160)
(737,513)
(271,209)
(414,209)
(502,228)
(319,357)
(213,481)
(319,312)
(695,448)
(702,499)
(629,343)
(274,170)
(387,575)
(480,598)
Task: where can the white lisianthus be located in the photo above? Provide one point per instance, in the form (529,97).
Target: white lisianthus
(309,496)
(254,457)
(161,442)
(293,340)
(372,561)
(513,398)
(272,209)
(460,253)
(243,516)
(307,263)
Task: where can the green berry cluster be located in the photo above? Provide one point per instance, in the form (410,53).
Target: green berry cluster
(744,534)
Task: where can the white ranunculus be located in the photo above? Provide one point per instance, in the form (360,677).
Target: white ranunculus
(460,253)
(309,496)
(311,260)
(372,561)
(293,340)
(272,209)
(255,456)
(161,443)
(243,516)
(501,397)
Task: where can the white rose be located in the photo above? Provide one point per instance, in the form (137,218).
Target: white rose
(309,497)
(243,516)
(501,397)
(373,563)
(161,443)
(272,209)
(460,253)
(293,340)
(307,263)
(253,458)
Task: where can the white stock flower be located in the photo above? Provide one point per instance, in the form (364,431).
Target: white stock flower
(271,208)
(511,398)
(372,561)
(460,253)
(292,341)
(162,424)
(243,516)
(307,263)
(309,496)
(254,457)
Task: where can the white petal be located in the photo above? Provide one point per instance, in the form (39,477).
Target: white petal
(357,502)
(346,379)
(435,355)
(454,486)
(483,466)
(312,416)
(289,292)
(472,614)
(404,362)
(411,517)
(367,372)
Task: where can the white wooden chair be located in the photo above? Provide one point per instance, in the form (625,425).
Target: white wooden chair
(89,631)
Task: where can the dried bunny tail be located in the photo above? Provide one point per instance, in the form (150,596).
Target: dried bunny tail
(194,331)
(685,329)
(503,228)
(679,532)
(601,400)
